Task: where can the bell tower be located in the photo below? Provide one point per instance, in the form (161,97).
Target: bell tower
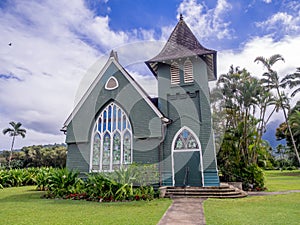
(183,69)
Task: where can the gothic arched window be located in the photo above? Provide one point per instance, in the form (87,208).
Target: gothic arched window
(112,139)
(185,140)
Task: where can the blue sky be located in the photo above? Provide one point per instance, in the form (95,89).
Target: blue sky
(57,45)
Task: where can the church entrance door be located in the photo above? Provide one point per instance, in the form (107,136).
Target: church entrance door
(186,159)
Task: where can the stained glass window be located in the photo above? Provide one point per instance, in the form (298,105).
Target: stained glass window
(185,140)
(96,152)
(106,152)
(112,142)
(116,150)
(127,148)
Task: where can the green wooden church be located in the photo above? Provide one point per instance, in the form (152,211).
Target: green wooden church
(117,123)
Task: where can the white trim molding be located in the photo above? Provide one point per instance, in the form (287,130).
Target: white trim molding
(173,150)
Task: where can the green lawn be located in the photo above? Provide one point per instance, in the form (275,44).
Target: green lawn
(23,205)
(282,181)
(272,209)
(267,210)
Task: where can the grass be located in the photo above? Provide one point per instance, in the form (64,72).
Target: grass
(267,210)
(271,209)
(24,205)
(282,180)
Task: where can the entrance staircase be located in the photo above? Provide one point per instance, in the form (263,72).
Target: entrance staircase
(223,191)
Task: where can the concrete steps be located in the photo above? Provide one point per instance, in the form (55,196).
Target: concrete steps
(223,191)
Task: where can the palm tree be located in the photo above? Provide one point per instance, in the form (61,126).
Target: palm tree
(295,121)
(272,82)
(292,80)
(14,132)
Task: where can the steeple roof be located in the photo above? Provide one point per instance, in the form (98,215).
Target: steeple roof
(183,43)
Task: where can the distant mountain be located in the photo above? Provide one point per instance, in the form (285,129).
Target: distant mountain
(270,134)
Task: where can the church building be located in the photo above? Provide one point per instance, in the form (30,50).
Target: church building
(116,123)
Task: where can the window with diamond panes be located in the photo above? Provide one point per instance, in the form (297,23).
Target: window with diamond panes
(112,140)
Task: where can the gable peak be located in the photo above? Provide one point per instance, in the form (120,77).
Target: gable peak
(114,54)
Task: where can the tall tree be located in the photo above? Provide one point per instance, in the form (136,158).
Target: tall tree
(272,81)
(235,102)
(14,131)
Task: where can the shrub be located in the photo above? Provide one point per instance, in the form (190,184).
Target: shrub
(253,178)
(145,193)
(16,177)
(42,177)
(98,187)
(63,182)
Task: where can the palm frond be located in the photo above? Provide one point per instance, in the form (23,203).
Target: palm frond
(295,92)
(274,58)
(7,130)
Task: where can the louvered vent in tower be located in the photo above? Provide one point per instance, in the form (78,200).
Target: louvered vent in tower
(175,78)
(188,71)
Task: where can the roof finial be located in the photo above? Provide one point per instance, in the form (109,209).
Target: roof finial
(180,17)
(114,55)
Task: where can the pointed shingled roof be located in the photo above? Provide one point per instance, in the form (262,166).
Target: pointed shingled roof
(183,43)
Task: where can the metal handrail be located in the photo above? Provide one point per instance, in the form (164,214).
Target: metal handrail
(186,177)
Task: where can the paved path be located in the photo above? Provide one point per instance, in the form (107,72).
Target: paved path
(187,211)
(261,193)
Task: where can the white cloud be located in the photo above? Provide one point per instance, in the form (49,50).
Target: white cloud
(54,44)
(52,47)
(266,46)
(206,23)
(282,23)
(267,1)
(288,47)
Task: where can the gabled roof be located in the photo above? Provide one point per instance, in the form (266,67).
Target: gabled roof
(183,43)
(114,59)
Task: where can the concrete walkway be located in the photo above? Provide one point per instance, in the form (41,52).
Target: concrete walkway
(262,193)
(187,211)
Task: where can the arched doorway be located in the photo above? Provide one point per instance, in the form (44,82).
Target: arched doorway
(187,166)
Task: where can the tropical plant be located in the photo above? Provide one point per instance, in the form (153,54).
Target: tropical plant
(144,193)
(272,81)
(99,187)
(282,133)
(63,182)
(41,178)
(13,132)
(16,177)
(237,100)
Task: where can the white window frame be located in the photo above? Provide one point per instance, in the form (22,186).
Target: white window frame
(122,132)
